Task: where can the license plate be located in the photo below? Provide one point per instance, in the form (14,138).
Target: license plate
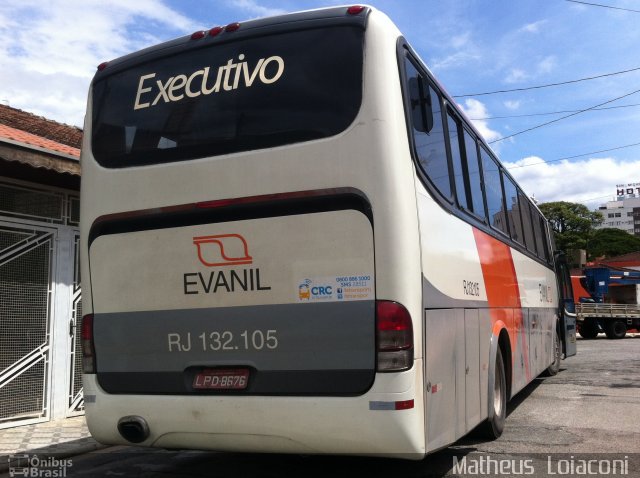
(221,379)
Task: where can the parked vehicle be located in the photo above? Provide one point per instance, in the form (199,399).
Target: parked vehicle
(612,304)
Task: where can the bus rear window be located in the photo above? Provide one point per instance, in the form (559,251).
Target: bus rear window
(252,94)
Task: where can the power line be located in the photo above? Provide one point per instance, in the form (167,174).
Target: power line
(550,113)
(548,85)
(604,6)
(563,117)
(575,156)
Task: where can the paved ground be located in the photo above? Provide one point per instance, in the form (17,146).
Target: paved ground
(60,437)
(589,411)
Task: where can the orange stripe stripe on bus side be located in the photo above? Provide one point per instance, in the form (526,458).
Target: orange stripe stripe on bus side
(503,293)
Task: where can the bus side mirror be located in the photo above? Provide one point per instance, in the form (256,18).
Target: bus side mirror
(421,111)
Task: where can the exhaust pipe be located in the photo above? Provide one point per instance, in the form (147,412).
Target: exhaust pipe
(133,428)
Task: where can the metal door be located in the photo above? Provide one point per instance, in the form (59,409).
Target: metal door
(76,400)
(26,288)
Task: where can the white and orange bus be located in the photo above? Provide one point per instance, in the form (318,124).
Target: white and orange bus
(294,241)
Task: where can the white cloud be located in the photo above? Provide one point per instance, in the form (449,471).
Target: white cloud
(461,58)
(547,65)
(460,41)
(464,51)
(516,75)
(512,104)
(533,27)
(476,109)
(591,181)
(255,9)
(50,50)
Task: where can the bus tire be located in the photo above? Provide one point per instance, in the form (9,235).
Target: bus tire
(494,425)
(588,329)
(554,368)
(616,329)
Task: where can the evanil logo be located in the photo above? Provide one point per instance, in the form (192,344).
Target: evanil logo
(201,82)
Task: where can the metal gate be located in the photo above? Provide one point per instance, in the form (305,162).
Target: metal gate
(26,265)
(40,304)
(76,400)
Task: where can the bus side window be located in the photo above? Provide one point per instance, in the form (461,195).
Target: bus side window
(456,159)
(530,233)
(421,112)
(541,240)
(513,209)
(493,189)
(546,246)
(428,133)
(473,168)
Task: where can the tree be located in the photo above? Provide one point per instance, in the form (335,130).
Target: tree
(573,224)
(609,242)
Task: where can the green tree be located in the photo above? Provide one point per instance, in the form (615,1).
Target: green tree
(610,242)
(573,224)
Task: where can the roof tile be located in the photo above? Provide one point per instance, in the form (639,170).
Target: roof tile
(34,140)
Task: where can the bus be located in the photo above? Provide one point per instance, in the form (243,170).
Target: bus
(293,241)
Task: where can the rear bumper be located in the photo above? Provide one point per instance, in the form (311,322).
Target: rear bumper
(310,425)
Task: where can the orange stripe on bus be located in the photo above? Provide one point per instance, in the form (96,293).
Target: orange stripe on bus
(503,292)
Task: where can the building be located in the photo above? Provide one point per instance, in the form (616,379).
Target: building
(624,214)
(40,302)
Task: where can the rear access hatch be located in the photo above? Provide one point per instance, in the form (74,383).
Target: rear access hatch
(273,306)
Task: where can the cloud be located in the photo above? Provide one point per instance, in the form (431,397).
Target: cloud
(512,104)
(591,181)
(532,27)
(460,41)
(255,9)
(50,50)
(547,65)
(516,75)
(464,51)
(461,58)
(476,109)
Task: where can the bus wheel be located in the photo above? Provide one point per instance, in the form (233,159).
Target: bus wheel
(588,329)
(554,368)
(492,428)
(616,329)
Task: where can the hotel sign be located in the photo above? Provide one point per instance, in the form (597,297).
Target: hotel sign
(627,189)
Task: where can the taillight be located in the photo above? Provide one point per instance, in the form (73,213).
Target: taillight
(215,31)
(198,35)
(88,350)
(232,27)
(394,337)
(355,9)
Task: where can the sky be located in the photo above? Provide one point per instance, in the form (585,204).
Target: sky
(49,51)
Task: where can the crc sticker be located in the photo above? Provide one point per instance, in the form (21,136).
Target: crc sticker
(335,289)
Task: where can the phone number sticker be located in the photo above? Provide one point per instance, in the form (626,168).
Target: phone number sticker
(335,288)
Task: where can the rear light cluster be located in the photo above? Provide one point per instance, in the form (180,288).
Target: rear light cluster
(394,337)
(88,349)
(215,31)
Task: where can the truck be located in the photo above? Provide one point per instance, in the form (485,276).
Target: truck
(612,304)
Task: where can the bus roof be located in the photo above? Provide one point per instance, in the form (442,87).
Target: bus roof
(262,26)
